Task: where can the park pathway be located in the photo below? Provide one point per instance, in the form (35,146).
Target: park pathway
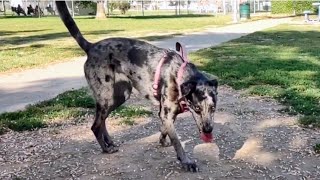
(31,86)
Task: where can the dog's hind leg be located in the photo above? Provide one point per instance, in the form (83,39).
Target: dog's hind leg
(99,128)
(109,95)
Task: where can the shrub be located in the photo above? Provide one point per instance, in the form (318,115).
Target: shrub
(124,7)
(112,6)
(291,6)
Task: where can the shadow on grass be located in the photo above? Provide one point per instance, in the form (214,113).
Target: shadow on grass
(48,36)
(158,37)
(160,16)
(9,16)
(281,64)
(6,33)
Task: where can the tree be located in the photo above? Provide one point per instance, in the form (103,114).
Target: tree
(100,10)
(97,6)
(124,7)
(3,7)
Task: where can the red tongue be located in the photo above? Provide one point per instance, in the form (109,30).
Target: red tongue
(206,137)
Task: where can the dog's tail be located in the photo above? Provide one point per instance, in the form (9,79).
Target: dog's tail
(71,25)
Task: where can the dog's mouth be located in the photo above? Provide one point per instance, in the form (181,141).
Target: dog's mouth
(206,137)
(206,133)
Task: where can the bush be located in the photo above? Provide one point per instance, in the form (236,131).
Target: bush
(291,6)
(124,7)
(112,6)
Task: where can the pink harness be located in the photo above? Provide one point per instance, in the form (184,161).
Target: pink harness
(155,86)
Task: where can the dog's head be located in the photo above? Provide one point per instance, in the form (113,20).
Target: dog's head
(201,98)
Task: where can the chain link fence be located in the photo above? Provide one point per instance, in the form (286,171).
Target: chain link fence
(134,7)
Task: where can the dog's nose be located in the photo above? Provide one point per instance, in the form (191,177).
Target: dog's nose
(207,128)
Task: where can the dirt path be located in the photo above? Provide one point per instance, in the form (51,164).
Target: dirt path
(254,139)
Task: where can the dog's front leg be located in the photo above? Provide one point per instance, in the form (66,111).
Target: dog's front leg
(168,116)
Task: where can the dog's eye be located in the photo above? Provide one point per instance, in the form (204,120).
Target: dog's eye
(213,108)
(197,108)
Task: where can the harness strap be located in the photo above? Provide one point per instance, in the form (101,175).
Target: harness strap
(156,80)
(183,53)
(157,75)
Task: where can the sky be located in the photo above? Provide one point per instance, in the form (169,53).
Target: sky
(14,3)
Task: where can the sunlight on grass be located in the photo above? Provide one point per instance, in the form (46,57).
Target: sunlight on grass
(30,42)
(282,62)
(316,148)
(128,113)
(69,105)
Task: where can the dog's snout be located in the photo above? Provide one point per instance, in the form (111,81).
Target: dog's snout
(207,128)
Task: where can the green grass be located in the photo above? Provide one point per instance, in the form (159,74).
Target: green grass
(69,105)
(29,42)
(128,113)
(316,148)
(282,63)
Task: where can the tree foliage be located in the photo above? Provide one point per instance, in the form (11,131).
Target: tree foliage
(291,6)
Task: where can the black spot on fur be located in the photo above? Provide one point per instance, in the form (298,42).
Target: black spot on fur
(137,56)
(119,46)
(132,42)
(130,72)
(139,77)
(120,89)
(99,47)
(166,110)
(112,67)
(110,56)
(107,78)
(99,80)
(147,96)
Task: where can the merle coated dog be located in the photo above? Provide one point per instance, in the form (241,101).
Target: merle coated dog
(115,66)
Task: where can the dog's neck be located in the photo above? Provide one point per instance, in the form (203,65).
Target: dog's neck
(190,71)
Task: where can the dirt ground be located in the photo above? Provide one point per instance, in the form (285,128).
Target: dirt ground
(253,140)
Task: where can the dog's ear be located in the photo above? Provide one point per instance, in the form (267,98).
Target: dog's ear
(213,82)
(188,87)
(178,46)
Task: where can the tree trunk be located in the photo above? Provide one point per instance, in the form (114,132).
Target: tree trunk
(100,10)
(4,7)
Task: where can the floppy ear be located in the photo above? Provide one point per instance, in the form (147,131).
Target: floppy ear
(178,46)
(213,82)
(188,87)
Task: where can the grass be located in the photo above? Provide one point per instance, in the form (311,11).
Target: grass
(69,105)
(128,113)
(281,62)
(28,42)
(316,148)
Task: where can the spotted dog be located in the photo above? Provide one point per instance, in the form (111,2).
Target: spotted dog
(115,66)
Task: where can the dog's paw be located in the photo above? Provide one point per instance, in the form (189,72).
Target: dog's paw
(165,143)
(190,166)
(111,149)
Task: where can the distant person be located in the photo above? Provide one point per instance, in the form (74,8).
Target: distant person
(30,10)
(50,10)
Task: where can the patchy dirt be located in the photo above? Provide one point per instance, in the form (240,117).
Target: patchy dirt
(252,141)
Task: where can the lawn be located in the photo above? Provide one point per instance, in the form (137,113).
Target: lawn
(30,42)
(282,63)
(69,106)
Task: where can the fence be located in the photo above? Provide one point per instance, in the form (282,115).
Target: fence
(141,7)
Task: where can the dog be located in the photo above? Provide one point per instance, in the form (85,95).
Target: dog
(115,66)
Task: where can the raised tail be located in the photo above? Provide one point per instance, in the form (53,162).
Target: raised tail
(71,25)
